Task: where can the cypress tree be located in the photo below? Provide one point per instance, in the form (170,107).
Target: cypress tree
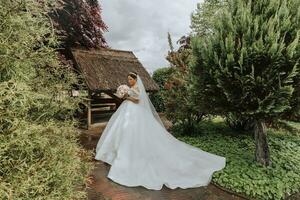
(204,16)
(249,65)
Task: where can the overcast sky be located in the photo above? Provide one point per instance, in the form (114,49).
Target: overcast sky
(141,26)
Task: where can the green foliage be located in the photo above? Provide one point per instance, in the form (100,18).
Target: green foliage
(179,107)
(239,123)
(249,64)
(294,126)
(160,76)
(293,113)
(205,15)
(40,157)
(241,174)
(41,161)
(185,128)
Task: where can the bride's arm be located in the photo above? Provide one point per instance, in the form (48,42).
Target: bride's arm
(134,98)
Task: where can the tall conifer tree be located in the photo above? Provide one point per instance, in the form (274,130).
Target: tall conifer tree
(249,65)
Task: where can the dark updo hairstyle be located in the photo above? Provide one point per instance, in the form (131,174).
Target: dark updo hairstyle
(133,75)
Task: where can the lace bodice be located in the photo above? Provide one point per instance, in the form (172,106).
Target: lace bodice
(134,92)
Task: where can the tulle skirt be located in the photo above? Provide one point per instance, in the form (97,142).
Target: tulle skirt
(143,153)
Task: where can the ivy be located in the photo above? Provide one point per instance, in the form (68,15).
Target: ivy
(242,174)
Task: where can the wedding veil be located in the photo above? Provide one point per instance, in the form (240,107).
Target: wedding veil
(145,101)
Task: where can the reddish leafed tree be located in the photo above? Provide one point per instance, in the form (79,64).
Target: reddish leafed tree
(80,23)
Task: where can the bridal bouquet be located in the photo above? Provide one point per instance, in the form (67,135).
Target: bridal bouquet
(122,90)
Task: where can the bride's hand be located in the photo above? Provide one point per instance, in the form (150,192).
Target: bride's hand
(125,96)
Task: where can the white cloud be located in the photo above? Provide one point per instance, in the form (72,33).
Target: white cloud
(142,26)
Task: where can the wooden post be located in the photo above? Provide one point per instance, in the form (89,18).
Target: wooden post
(117,102)
(89,113)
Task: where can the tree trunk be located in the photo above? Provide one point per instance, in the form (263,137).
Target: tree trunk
(262,154)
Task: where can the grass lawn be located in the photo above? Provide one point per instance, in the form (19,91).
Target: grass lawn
(242,174)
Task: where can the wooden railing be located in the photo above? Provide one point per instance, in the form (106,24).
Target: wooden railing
(97,104)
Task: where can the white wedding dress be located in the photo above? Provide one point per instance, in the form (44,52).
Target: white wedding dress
(142,152)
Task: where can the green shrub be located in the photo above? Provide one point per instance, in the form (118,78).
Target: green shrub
(41,161)
(179,107)
(188,128)
(238,123)
(242,174)
(160,76)
(39,153)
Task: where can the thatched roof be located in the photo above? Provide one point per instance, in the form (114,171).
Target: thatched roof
(107,69)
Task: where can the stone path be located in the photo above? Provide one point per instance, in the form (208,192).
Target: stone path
(103,188)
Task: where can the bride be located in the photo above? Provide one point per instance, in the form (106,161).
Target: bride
(142,153)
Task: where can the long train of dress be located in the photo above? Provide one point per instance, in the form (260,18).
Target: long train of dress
(143,153)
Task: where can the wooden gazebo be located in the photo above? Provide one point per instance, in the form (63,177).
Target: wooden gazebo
(104,70)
